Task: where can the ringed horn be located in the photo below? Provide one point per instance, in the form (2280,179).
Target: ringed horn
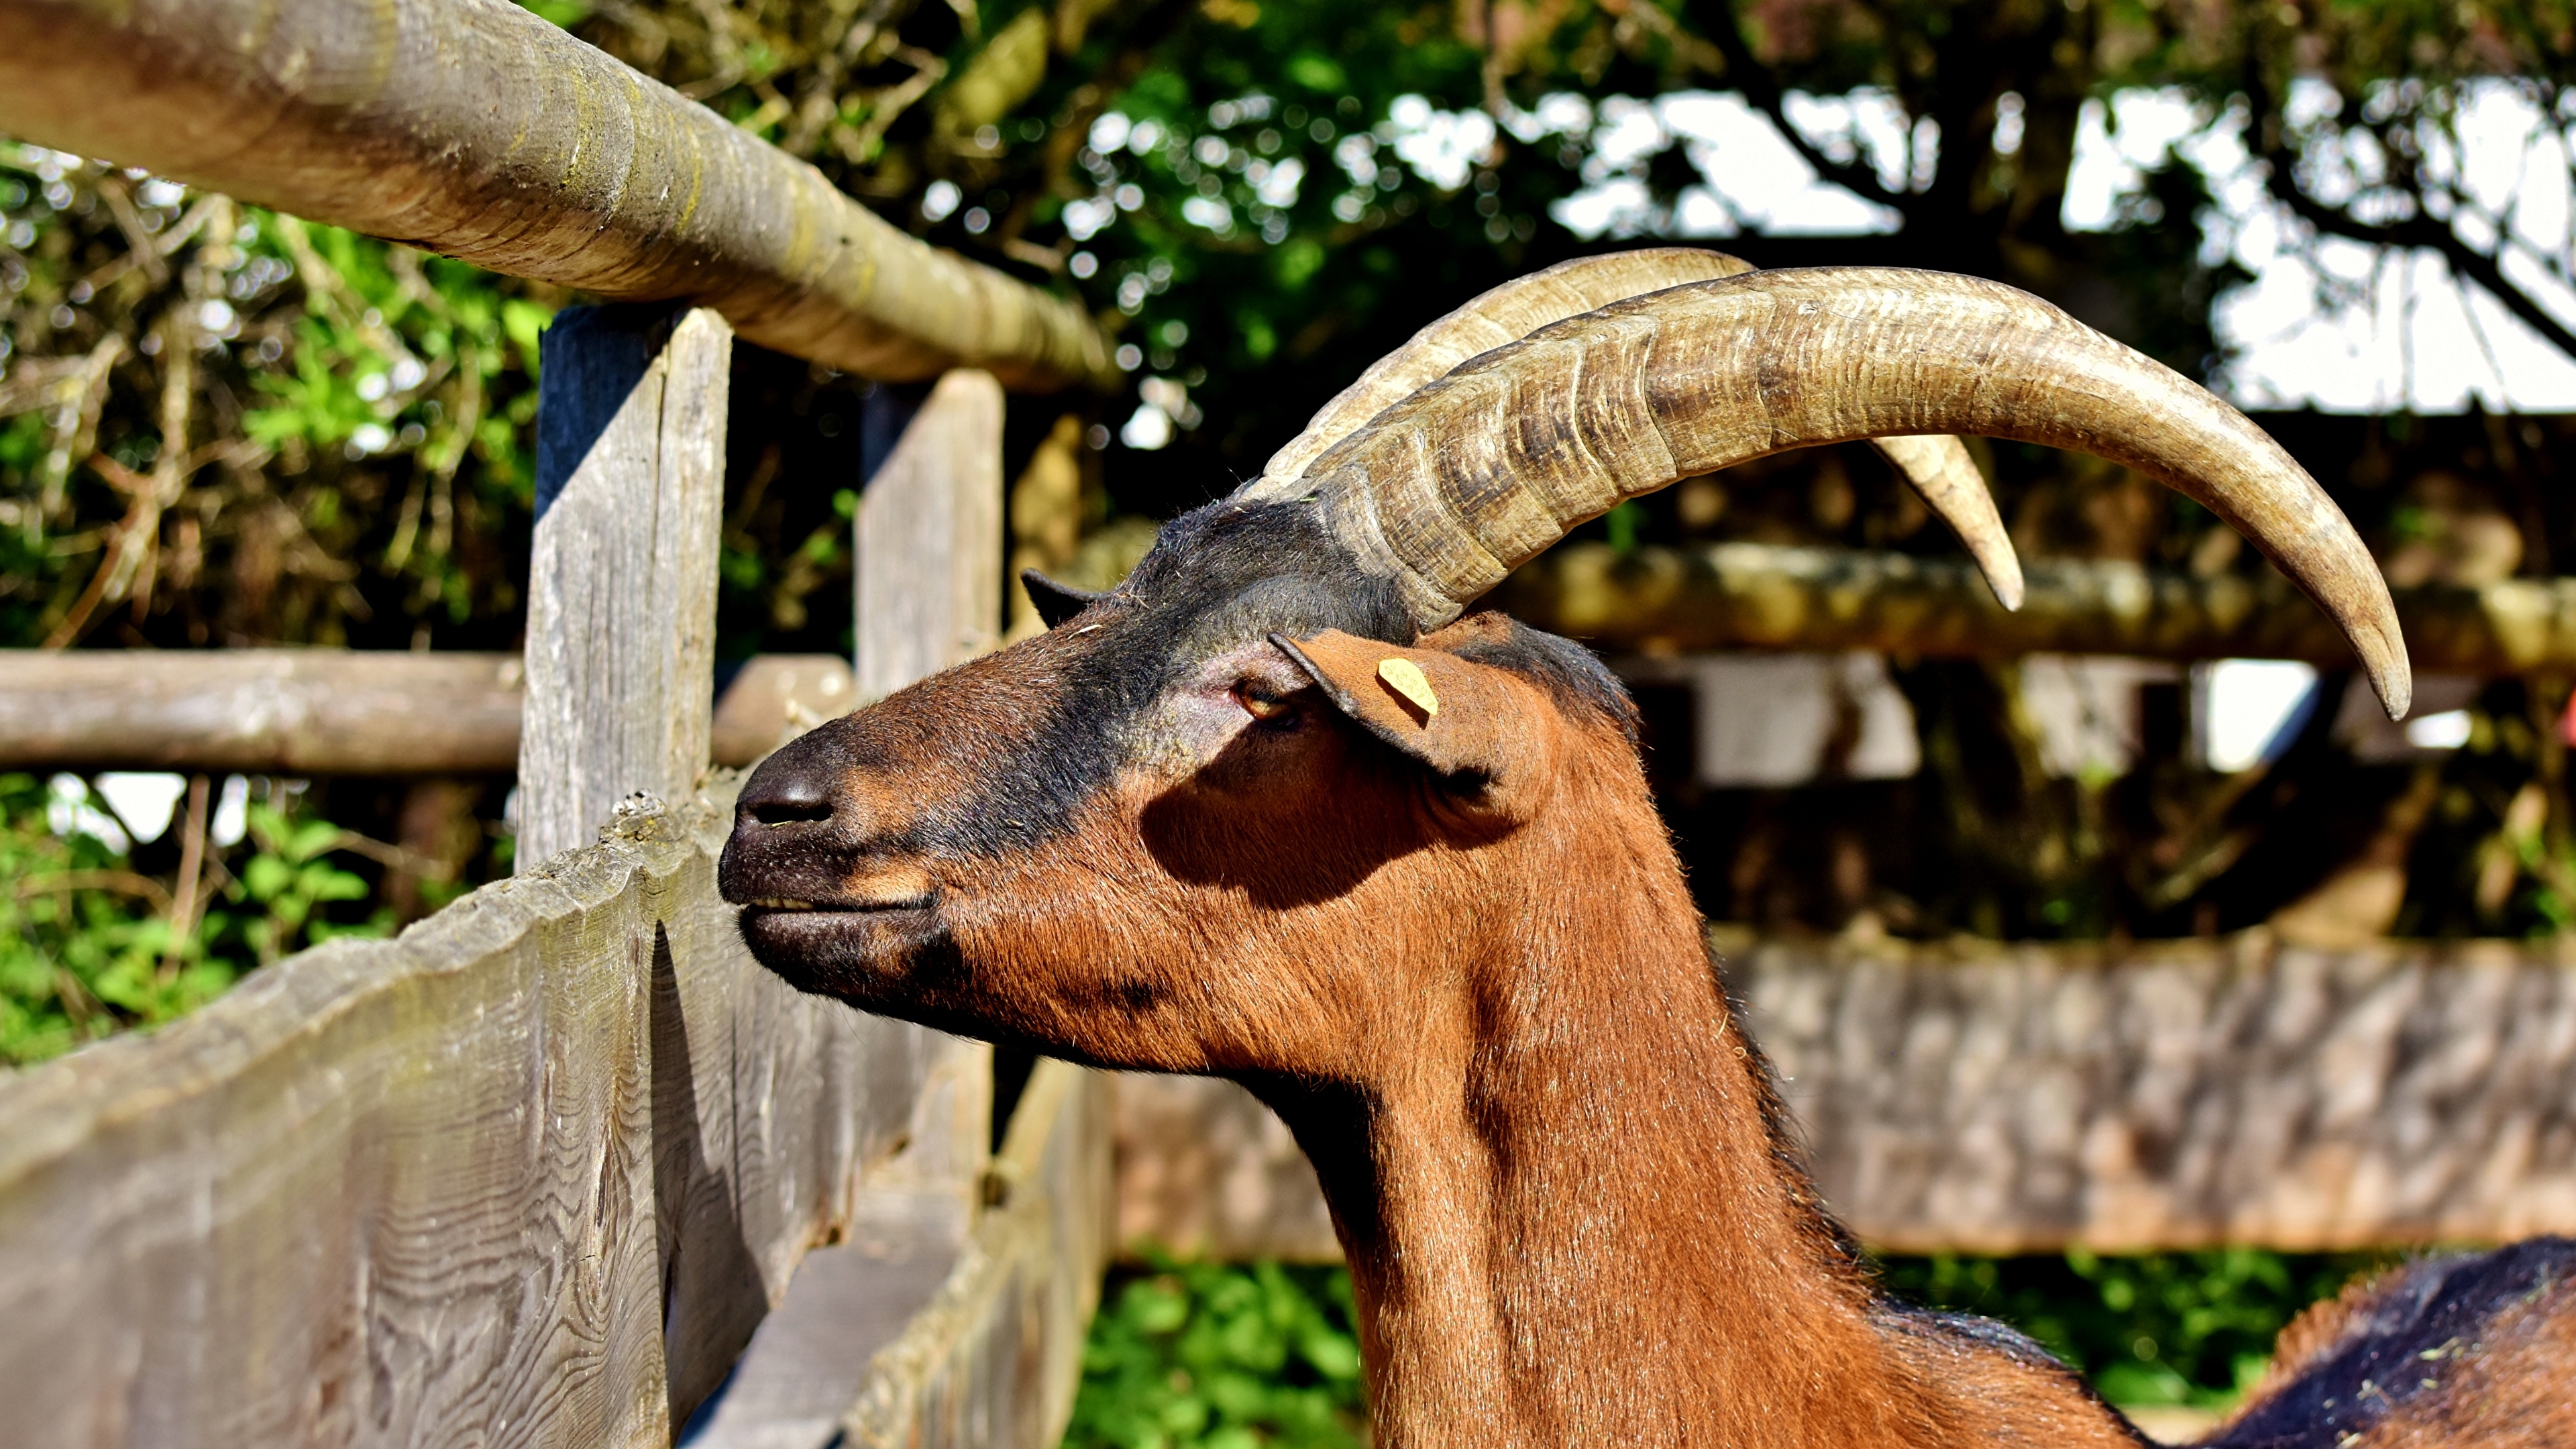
(1937,466)
(1450,488)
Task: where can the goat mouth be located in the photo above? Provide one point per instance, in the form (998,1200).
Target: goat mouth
(791,905)
(795,936)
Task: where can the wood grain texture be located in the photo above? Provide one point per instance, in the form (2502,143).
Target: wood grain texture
(993,1361)
(339,712)
(2006,1100)
(909,1223)
(774,698)
(472,127)
(1987,1098)
(928,566)
(525,1175)
(261,711)
(1752,595)
(622,570)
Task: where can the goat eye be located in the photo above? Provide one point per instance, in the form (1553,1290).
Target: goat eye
(1259,706)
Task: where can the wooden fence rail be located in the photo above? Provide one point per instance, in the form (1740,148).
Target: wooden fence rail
(339,712)
(474,128)
(333,712)
(536,1171)
(1987,1098)
(1767,596)
(539,1165)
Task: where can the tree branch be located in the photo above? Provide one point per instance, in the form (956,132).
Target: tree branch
(2424,232)
(1763,90)
(2420,231)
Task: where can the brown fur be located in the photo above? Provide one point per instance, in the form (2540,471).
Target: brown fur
(1459,956)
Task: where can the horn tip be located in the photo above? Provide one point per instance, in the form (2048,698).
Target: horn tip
(2396,690)
(2002,570)
(2392,678)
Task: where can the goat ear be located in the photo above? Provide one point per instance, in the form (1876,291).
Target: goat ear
(1476,726)
(1055,602)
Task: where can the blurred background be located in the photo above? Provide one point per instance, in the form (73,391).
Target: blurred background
(222,427)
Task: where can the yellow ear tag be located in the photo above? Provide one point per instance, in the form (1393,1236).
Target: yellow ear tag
(1406,678)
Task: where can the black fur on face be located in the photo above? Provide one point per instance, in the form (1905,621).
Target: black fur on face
(1044,726)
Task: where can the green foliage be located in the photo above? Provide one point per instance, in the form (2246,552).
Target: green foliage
(1224,1357)
(87,945)
(375,345)
(2158,1328)
(333,431)
(283,882)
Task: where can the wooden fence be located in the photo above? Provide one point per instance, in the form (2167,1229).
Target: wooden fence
(1986,1098)
(474,128)
(1758,596)
(539,1170)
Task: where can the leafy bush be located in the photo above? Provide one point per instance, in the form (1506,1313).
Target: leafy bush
(1223,1357)
(90,946)
(2155,1328)
(223,425)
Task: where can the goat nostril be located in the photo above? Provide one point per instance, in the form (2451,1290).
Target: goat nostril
(787,802)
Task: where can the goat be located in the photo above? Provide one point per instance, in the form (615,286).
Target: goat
(1279,808)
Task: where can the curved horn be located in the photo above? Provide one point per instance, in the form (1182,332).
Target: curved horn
(1495,318)
(1939,468)
(1450,489)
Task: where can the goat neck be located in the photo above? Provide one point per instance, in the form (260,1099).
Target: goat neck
(1569,1209)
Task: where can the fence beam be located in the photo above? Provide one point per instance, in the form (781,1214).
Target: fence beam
(260,711)
(1752,595)
(528,1174)
(994,1359)
(1990,1097)
(339,711)
(622,572)
(474,128)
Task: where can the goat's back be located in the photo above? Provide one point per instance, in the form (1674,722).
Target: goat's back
(2469,1349)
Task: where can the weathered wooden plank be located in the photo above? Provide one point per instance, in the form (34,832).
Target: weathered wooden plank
(928,594)
(1990,1098)
(474,128)
(811,1357)
(622,570)
(525,1175)
(1752,595)
(993,1361)
(338,711)
(260,711)
(928,555)
(2001,1099)
(772,699)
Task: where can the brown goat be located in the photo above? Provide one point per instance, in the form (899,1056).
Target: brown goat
(1272,810)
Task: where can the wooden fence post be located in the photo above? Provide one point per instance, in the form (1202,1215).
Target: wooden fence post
(927,552)
(622,576)
(928,540)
